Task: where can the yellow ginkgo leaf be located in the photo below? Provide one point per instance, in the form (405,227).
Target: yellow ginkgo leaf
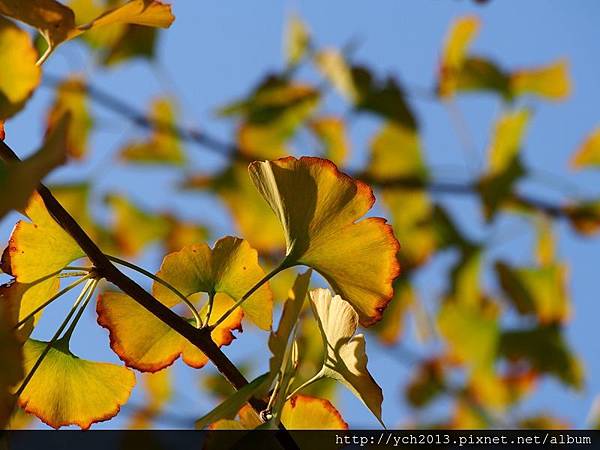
(53,20)
(551,82)
(150,13)
(31,253)
(19,75)
(27,297)
(345,356)
(163,146)
(318,207)
(457,44)
(331,131)
(183,233)
(231,268)
(588,153)
(155,345)
(302,412)
(23,177)
(71,97)
(66,390)
(389,330)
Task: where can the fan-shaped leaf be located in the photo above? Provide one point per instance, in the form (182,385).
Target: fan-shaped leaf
(550,82)
(318,207)
(66,390)
(155,345)
(302,412)
(588,153)
(345,354)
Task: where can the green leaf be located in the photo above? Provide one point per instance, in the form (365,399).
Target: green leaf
(230,407)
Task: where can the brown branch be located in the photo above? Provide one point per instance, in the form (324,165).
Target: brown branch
(198,337)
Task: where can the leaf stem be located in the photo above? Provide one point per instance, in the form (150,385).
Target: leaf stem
(49,301)
(49,345)
(245,297)
(307,383)
(166,284)
(66,338)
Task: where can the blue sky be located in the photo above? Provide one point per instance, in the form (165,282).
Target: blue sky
(216,51)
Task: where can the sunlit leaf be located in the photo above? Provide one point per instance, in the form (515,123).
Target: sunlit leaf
(231,267)
(21,178)
(297,40)
(545,350)
(183,233)
(333,66)
(155,345)
(504,166)
(550,82)
(19,75)
(309,413)
(66,390)
(71,97)
(162,146)
(31,253)
(133,228)
(457,43)
(26,297)
(331,131)
(390,328)
(230,407)
(318,207)
(501,391)
(588,153)
(541,291)
(345,354)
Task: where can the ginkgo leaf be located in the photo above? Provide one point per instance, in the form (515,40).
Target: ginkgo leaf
(23,177)
(279,340)
(27,297)
(19,75)
(231,267)
(332,65)
(136,41)
(133,228)
(183,233)
(297,40)
(66,390)
(588,153)
(163,146)
(254,218)
(31,253)
(155,345)
(502,390)
(390,328)
(504,166)
(332,133)
(345,356)
(457,43)
(541,291)
(302,412)
(318,207)
(71,97)
(550,82)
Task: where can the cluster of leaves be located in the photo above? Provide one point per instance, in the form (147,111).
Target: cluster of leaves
(495,344)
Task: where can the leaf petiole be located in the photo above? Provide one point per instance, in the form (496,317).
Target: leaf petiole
(66,338)
(166,284)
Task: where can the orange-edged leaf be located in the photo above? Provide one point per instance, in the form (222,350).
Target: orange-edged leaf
(163,146)
(155,345)
(390,328)
(550,82)
(588,153)
(345,356)
(302,412)
(2,131)
(320,210)
(331,131)
(27,297)
(71,97)
(19,75)
(23,177)
(231,267)
(32,253)
(66,390)
(457,43)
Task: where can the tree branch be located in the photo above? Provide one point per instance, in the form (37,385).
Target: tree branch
(198,337)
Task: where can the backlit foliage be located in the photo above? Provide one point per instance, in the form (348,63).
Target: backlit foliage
(485,346)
